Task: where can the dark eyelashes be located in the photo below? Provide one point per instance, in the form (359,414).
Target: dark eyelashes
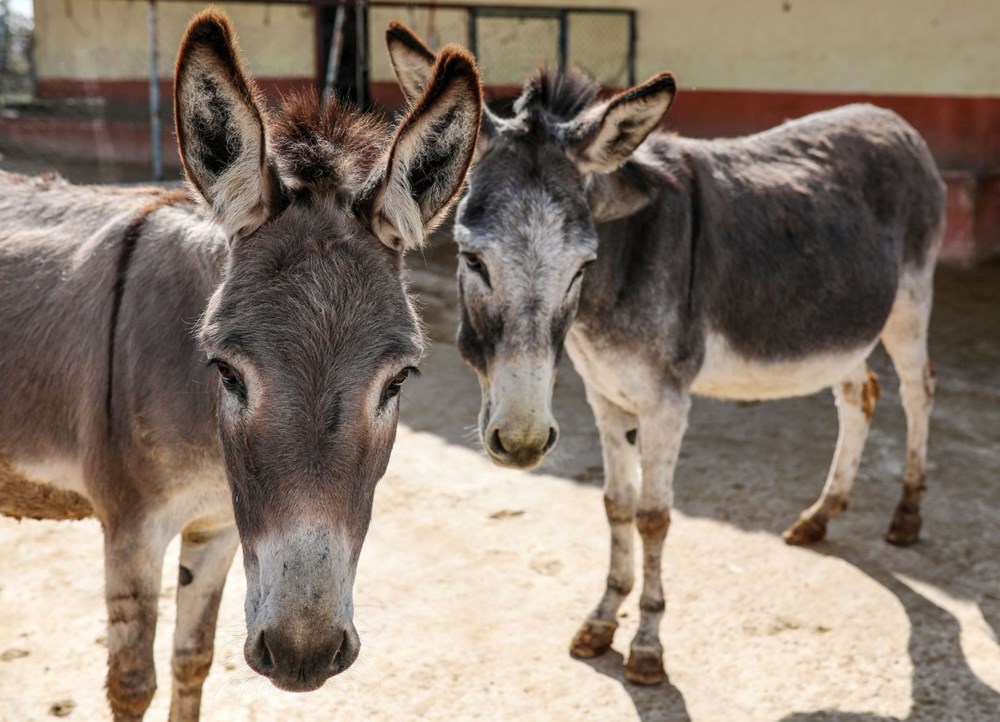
(395,385)
(233,382)
(231,379)
(577,276)
(475,264)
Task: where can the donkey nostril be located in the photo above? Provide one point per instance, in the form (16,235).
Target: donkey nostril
(338,647)
(341,654)
(264,653)
(496,445)
(553,437)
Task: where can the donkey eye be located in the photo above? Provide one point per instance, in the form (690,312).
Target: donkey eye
(230,379)
(392,389)
(475,264)
(578,275)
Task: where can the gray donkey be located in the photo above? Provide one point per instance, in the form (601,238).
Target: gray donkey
(751,268)
(173,362)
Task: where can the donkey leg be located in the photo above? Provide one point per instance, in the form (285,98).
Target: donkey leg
(133,561)
(661,432)
(905,339)
(618,430)
(206,556)
(855,397)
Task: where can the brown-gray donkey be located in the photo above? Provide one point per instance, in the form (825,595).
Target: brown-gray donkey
(225,359)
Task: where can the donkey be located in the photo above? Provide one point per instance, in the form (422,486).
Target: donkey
(276,417)
(750,268)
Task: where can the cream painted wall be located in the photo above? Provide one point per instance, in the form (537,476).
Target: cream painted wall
(865,46)
(876,46)
(106,39)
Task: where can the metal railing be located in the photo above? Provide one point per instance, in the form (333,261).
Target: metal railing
(512,40)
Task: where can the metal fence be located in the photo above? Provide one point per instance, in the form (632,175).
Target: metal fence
(100,109)
(512,41)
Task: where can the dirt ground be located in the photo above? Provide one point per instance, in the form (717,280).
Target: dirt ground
(473,578)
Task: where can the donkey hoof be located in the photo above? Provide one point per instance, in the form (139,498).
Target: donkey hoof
(593,639)
(905,529)
(645,666)
(807,530)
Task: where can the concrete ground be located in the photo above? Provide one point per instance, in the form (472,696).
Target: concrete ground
(474,578)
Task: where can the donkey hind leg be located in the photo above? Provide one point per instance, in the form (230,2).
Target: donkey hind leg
(905,339)
(206,555)
(133,568)
(618,430)
(855,397)
(661,433)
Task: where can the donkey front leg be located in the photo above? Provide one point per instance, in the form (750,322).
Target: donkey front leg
(618,430)
(133,567)
(206,556)
(660,431)
(855,396)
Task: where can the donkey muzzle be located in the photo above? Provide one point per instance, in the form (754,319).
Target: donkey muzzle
(521,447)
(517,426)
(299,607)
(302,663)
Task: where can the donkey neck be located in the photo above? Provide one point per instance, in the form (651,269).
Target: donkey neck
(643,285)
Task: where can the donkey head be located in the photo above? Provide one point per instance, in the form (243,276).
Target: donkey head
(525,232)
(311,330)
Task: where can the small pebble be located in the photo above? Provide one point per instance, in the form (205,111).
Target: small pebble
(9,654)
(62,708)
(507,513)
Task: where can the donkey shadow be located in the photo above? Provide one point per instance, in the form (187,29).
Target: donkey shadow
(943,685)
(659,703)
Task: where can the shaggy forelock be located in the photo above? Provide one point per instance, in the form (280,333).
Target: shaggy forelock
(562,95)
(327,145)
(507,190)
(339,292)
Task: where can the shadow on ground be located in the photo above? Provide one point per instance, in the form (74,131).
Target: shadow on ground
(660,703)
(943,685)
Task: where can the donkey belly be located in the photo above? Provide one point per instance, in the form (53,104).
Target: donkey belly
(726,374)
(43,490)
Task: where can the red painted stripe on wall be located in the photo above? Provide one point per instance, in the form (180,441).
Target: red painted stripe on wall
(963,132)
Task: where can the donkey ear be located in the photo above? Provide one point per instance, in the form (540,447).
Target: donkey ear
(489,130)
(430,153)
(220,126)
(412,61)
(604,137)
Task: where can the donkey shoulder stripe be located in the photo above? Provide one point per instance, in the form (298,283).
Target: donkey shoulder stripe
(130,239)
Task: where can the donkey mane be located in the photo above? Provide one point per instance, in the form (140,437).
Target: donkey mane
(330,146)
(561,94)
